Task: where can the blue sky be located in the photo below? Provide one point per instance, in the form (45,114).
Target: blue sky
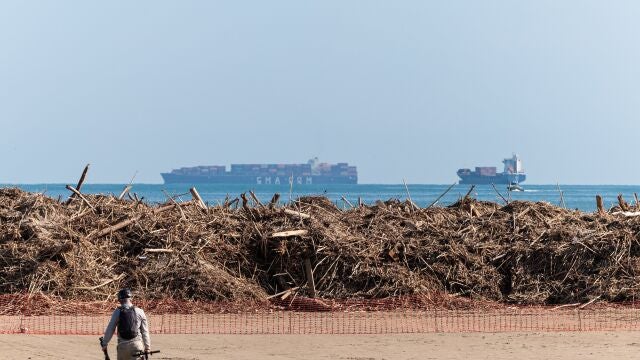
(402,89)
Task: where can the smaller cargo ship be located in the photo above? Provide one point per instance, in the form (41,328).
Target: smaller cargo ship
(512,173)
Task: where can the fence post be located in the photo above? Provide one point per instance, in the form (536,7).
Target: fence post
(579,320)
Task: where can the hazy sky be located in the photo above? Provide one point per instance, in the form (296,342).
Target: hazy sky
(402,89)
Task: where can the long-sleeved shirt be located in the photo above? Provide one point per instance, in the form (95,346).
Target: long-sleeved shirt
(141,324)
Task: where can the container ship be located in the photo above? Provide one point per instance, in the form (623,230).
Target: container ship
(313,172)
(512,173)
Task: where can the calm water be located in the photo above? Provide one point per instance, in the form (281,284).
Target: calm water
(576,196)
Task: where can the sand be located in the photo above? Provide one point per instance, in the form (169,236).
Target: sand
(495,346)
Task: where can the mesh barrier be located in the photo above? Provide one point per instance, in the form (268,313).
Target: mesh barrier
(39,314)
(366,322)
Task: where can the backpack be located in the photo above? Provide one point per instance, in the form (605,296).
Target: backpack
(127,328)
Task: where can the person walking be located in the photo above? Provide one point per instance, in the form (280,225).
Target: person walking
(133,329)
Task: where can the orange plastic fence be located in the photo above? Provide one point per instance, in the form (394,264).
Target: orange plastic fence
(39,314)
(334,322)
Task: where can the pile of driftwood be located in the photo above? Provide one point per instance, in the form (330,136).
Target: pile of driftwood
(89,246)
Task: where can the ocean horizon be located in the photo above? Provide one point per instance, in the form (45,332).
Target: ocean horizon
(581,197)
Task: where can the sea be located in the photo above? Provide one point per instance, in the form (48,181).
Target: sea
(581,197)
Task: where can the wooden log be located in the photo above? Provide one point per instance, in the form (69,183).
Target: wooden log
(600,204)
(81,181)
(197,198)
(78,194)
(441,196)
(590,302)
(116,227)
(163,208)
(469,192)
(82,177)
(124,192)
(130,221)
(245,202)
(308,270)
(232,203)
(623,204)
(274,200)
(565,306)
(255,198)
(158,250)
(284,294)
(347,202)
(117,278)
(289,233)
(627,213)
(297,214)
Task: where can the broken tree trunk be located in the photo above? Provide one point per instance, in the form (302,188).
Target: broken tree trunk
(623,204)
(245,202)
(274,200)
(600,204)
(308,270)
(197,198)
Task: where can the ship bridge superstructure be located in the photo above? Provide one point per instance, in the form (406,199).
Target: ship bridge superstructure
(513,173)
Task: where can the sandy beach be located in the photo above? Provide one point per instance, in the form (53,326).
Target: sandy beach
(592,345)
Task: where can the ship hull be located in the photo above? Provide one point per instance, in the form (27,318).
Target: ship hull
(257,180)
(473,179)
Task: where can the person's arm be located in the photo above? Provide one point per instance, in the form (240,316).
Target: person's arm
(111,328)
(144,330)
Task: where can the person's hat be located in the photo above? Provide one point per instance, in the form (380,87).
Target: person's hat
(124,294)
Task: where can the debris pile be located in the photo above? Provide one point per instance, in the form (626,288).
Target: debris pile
(243,250)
